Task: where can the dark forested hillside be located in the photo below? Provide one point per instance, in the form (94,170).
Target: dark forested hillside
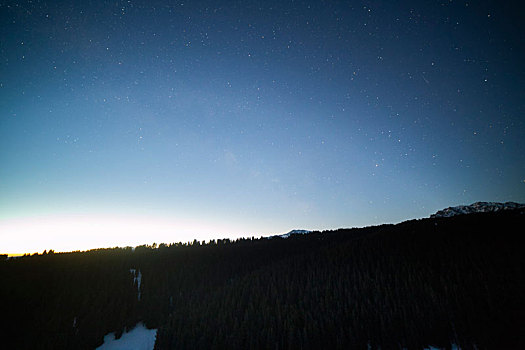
(424,282)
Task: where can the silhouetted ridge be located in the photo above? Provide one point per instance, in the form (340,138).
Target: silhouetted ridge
(423,282)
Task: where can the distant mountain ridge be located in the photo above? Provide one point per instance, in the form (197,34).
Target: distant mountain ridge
(478,207)
(293,232)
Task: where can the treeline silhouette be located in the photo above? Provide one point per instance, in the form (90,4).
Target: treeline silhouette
(440,281)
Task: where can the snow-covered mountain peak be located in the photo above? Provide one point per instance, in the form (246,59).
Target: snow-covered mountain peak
(478,207)
(293,232)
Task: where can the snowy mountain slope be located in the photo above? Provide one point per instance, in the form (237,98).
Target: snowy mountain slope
(478,207)
(292,232)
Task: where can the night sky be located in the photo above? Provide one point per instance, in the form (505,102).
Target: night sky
(132,122)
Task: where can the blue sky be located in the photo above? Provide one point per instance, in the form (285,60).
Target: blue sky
(252,118)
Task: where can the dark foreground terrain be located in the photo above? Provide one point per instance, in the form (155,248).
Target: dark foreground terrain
(424,282)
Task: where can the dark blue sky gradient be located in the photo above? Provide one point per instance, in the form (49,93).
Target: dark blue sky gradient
(262,115)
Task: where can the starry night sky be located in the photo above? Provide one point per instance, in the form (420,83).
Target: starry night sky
(206,119)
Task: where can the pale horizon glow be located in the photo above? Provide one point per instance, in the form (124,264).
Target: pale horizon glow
(73,232)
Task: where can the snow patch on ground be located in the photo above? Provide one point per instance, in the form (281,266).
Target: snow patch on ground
(139,338)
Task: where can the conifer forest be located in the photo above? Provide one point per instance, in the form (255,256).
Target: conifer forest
(439,281)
